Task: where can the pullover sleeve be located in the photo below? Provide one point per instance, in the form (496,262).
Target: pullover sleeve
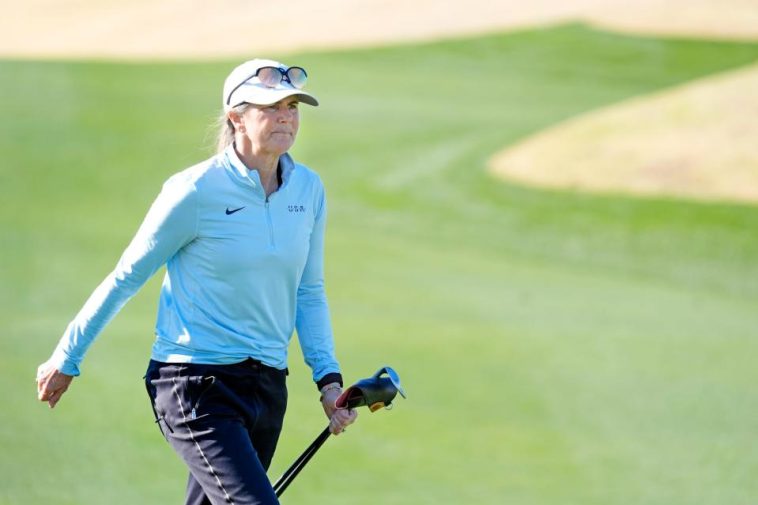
(170,224)
(312,321)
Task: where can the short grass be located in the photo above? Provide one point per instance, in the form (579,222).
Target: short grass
(556,348)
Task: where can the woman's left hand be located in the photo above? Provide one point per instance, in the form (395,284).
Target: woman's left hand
(339,419)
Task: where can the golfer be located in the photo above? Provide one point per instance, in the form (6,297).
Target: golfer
(242,238)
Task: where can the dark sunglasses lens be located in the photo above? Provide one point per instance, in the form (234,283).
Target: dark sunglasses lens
(297,76)
(270,76)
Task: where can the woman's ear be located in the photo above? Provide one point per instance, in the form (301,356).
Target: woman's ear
(236,120)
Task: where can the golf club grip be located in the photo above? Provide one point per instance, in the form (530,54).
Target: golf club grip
(300,462)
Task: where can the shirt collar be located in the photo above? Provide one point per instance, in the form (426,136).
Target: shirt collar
(286,163)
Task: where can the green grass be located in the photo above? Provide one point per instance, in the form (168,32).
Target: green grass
(556,347)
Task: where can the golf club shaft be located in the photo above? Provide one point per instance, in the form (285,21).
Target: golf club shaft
(298,465)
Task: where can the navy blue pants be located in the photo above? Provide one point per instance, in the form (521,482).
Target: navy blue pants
(224,422)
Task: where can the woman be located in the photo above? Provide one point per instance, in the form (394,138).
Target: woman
(242,237)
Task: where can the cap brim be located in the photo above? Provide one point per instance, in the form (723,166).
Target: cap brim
(261,95)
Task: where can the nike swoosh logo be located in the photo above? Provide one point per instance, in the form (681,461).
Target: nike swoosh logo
(230,212)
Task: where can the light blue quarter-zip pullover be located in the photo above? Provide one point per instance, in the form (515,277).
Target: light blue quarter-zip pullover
(242,271)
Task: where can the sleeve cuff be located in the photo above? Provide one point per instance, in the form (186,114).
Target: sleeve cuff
(328,379)
(64,365)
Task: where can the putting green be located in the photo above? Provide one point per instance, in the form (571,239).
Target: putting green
(721,166)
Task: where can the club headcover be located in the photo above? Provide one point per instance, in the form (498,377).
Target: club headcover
(375,392)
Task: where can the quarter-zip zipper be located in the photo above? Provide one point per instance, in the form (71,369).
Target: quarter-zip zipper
(271,243)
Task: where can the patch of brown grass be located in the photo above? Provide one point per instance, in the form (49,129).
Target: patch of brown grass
(697,141)
(156,29)
(725,19)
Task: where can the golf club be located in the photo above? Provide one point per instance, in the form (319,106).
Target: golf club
(374,392)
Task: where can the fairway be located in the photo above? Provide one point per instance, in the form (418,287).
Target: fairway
(556,348)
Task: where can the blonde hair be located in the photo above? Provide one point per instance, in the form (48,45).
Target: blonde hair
(226,127)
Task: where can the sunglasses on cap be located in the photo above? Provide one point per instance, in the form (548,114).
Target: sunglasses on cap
(271,77)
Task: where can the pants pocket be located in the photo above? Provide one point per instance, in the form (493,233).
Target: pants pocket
(159,417)
(200,387)
(178,399)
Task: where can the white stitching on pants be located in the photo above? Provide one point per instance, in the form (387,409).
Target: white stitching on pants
(200,450)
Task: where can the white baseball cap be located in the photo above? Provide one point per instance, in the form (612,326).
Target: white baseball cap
(243,85)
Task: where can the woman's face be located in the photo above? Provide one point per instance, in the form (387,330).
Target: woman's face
(271,129)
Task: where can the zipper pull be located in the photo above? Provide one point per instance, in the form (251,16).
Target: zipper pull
(193,414)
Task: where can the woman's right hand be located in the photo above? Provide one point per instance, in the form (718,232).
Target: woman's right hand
(51,384)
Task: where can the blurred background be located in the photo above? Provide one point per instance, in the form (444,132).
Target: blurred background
(543,217)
